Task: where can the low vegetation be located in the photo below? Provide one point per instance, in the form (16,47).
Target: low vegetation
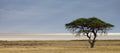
(73,46)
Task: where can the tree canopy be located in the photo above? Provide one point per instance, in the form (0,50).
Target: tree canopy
(88,25)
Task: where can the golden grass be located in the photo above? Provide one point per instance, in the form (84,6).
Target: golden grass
(107,46)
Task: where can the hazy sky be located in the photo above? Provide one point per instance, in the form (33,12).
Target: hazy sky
(49,16)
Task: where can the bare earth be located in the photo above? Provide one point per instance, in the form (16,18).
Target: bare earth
(59,46)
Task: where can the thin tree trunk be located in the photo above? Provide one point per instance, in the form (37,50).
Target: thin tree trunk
(92,42)
(89,40)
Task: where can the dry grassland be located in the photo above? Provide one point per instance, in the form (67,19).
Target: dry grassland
(74,46)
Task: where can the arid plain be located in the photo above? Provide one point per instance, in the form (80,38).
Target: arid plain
(59,46)
(57,43)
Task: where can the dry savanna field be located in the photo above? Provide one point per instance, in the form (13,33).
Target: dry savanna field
(59,46)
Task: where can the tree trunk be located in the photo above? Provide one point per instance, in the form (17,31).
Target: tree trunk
(92,42)
(92,46)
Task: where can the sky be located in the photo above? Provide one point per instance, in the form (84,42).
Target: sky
(50,16)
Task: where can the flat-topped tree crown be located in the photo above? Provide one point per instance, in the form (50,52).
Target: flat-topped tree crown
(87,26)
(92,23)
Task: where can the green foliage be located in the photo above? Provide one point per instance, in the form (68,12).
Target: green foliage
(88,25)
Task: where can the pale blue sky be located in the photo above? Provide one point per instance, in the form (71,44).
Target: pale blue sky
(49,16)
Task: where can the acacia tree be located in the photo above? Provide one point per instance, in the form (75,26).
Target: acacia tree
(88,27)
